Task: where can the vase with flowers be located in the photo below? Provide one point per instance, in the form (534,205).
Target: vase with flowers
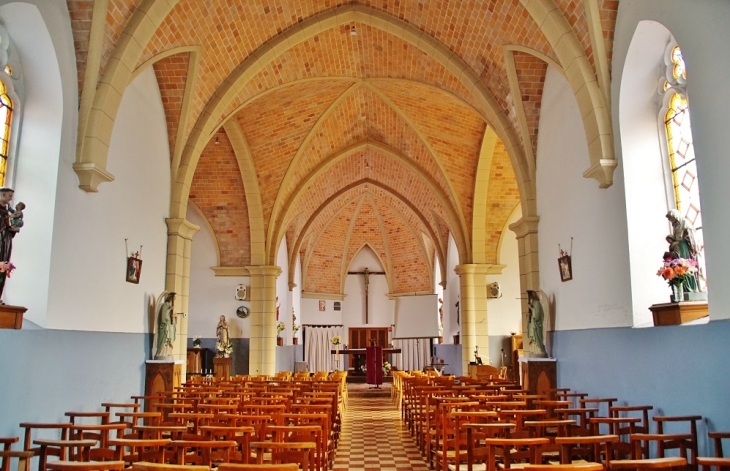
(196,341)
(677,272)
(280,327)
(294,329)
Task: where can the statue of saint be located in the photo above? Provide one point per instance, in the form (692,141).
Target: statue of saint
(221,331)
(6,231)
(535,323)
(166,327)
(682,243)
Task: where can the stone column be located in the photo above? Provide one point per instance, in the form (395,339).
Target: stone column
(473,311)
(262,352)
(179,244)
(526,231)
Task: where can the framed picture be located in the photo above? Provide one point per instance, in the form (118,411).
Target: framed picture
(566,268)
(337,305)
(134,270)
(322,305)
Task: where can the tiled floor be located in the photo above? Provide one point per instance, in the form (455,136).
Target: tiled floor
(374,438)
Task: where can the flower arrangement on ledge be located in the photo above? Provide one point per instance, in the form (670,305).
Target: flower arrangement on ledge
(294,329)
(386,368)
(224,350)
(7,268)
(196,341)
(677,270)
(336,340)
(280,327)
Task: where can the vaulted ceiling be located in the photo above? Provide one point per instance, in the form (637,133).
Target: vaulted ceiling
(386,124)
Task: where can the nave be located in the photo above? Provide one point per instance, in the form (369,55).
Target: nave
(375,438)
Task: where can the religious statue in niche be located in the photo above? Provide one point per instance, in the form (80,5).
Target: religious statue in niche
(223,345)
(278,306)
(166,326)
(536,324)
(13,221)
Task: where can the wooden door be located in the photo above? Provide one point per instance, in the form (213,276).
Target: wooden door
(363,337)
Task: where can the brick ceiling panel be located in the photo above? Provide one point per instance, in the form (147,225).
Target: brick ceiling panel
(609,10)
(365,228)
(118,14)
(409,258)
(502,198)
(275,127)
(318,223)
(453,130)
(81,12)
(531,75)
(575,14)
(218,191)
(441,228)
(475,31)
(172,76)
(352,169)
(323,274)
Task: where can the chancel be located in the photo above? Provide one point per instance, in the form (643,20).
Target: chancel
(355,162)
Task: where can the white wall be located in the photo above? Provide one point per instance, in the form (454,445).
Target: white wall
(570,205)
(43,38)
(282,291)
(504,314)
(700,28)
(212,296)
(88,290)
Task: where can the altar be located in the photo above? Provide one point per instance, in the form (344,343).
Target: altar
(358,355)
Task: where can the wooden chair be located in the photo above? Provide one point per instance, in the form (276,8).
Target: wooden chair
(597,402)
(718,463)
(201,452)
(145,466)
(304,433)
(28,440)
(102,433)
(717,438)
(476,449)
(514,450)
(257,467)
(140,449)
(85,465)
(586,448)
(285,452)
(7,443)
(241,435)
(77,448)
(670,443)
(564,467)
(23,458)
(451,443)
(677,463)
(583,414)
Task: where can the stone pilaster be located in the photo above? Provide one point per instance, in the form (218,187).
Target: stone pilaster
(177,277)
(526,231)
(262,353)
(473,311)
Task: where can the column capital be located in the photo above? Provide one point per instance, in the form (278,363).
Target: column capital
(526,225)
(478,269)
(181,227)
(264,270)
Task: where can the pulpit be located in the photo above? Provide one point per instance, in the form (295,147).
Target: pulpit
(162,375)
(374,363)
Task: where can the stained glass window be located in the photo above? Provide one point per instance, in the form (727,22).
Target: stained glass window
(6,116)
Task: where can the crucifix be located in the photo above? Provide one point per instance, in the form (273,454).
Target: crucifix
(366,273)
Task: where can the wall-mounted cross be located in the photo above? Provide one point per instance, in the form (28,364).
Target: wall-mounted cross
(366,273)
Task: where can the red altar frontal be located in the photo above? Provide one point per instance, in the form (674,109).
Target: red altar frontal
(373,361)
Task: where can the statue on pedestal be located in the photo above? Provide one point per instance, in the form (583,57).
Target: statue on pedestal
(12,220)
(223,343)
(682,245)
(166,326)
(535,324)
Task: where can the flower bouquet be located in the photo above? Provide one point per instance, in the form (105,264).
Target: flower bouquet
(224,349)
(677,271)
(336,340)
(386,368)
(7,268)
(280,327)
(196,341)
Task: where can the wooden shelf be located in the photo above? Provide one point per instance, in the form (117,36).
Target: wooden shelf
(11,317)
(678,313)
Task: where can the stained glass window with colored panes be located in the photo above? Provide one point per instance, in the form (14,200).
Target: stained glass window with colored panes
(6,116)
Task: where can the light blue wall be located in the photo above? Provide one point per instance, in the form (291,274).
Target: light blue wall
(680,370)
(45,373)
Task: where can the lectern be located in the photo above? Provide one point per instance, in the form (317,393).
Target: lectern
(374,362)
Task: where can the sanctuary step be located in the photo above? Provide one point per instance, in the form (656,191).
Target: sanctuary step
(361,378)
(362,390)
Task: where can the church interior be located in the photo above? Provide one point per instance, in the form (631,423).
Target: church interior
(301,170)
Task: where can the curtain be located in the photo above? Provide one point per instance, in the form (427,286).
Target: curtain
(317,347)
(415,354)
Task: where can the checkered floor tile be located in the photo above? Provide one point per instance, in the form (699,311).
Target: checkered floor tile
(374,438)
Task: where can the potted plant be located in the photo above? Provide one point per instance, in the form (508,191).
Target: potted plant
(280,327)
(294,329)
